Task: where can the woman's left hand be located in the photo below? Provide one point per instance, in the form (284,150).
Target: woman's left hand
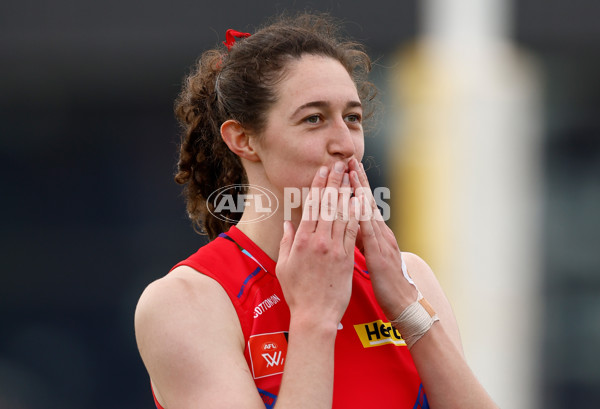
(383,257)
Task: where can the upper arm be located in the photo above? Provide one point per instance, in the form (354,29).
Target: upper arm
(191,342)
(431,289)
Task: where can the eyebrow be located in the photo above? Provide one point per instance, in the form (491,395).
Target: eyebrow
(324,104)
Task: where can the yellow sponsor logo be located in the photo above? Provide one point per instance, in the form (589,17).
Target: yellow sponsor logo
(378,333)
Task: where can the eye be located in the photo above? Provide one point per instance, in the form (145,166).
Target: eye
(354,118)
(313,119)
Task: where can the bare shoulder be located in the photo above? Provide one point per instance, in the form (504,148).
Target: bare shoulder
(431,289)
(181,298)
(182,291)
(191,342)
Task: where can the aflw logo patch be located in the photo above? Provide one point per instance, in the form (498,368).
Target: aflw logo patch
(378,333)
(267,353)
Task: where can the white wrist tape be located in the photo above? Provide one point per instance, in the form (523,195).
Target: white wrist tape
(417,318)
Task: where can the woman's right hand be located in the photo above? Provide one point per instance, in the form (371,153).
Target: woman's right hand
(316,261)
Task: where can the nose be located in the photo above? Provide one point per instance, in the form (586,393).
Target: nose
(341,141)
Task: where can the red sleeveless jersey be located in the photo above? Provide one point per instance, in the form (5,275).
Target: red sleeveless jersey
(373,367)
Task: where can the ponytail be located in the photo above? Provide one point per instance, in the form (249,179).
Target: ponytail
(205,162)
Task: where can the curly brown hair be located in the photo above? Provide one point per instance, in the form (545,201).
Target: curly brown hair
(240,85)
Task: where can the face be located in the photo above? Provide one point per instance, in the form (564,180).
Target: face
(316,121)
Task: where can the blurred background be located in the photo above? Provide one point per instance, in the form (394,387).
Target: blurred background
(489,142)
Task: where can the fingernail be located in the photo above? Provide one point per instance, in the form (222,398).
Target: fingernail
(355,176)
(346,180)
(323,171)
(339,167)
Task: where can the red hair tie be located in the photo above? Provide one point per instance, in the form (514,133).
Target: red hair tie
(230,36)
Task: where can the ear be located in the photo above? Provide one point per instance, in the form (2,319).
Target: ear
(238,140)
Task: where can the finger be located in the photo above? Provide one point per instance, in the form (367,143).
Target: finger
(362,176)
(356,166)
(377,223)
(351,232)
(329,197)
(360,185)
(368,234)
(342,215)
(285,245)
(311,206)
(362,188)
(336,176)
(361,193)
(376,219)
(389,237)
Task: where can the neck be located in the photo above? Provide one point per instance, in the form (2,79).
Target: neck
(266,233)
